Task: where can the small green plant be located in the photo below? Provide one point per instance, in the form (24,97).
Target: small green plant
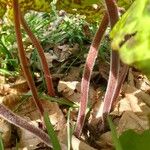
(1,142)
(114,134)
(51,133)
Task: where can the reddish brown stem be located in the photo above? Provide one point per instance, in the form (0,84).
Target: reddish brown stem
(48,77)
(90,61)
(111,92)
(18,121)
(22,57)
(122,76)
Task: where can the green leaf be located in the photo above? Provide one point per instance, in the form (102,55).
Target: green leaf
(92,9)
(2,9)
(131,36)
(1,142)
(114,135)
(25,5)
(133,141)
(51,133)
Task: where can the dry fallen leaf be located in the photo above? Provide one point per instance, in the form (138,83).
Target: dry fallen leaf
(105,141)
(50,57)
(130,120)
(29,111)
(4,89)
(71,91)
(79,145)
(64,51)
(2,79)
(5,130)
(73,74)
(56,116)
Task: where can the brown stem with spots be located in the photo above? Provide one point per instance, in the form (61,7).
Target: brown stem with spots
(90,61)
(47,75)
(23,59)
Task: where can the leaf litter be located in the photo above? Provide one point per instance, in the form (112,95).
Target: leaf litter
(130,112)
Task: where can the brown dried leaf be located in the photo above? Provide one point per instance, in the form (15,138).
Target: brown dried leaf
(11,100)
(71,91)
(29,110)
(50,57)
(5,129)
(136,121)
(2,80)
(105,141)
(4,89)
(64,51)
(73,74)
(79,145)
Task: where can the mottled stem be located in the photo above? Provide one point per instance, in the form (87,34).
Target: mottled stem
(47,75)
(23,59)
(113,86)
(90,61)
(18,121)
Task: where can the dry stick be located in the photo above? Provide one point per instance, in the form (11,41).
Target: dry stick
(112,88)
(47,75)
(23,59)
(19,122)
(90,61)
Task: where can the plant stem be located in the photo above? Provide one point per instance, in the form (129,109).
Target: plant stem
(114,81)
(122,76)
(48,77)
(90,61)
(23,59)
(18,121)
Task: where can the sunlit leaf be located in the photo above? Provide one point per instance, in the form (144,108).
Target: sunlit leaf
(131,36)
(92,9)
(37,5)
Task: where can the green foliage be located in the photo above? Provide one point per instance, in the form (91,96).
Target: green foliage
(1,142)
(68,29)
(116,141)
(130,140)
(8,62)
(133,141)
(25,5)
(131,36)
(51,133)
(92,9)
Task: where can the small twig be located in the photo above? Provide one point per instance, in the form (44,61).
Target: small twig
(23,59)
(48,77)
(90,61)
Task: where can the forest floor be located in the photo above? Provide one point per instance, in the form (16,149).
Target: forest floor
(66,62)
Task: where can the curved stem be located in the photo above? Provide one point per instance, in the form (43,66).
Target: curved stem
(18,121)
(90,61)
(48,77)
(113,86)
(23,59)
(122,76)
